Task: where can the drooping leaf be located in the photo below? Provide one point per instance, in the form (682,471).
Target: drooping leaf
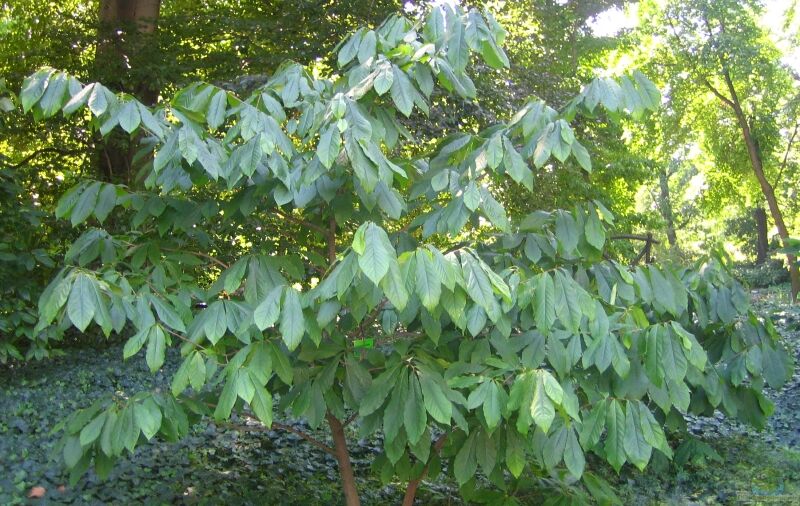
(81,304)
(377,253)
(292,325)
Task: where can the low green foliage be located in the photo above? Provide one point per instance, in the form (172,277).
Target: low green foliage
(497,359)
(770,273)
(26,263)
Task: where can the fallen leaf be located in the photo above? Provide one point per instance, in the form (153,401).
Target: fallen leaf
(37,492)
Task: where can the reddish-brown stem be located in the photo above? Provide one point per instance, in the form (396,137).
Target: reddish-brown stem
(307,437)
(413,485)
(337,428)
(343,459)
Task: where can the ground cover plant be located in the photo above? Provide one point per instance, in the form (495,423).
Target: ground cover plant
(301,246)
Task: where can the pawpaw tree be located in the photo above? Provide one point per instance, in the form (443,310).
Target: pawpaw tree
(310,255)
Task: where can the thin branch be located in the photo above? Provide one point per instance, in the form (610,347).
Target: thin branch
(197,253)
(635,237)
(288,428)
(719,94)
(734,101)
(331,236)
(59,152)
(372,317)
(786,155)
(308,437)
(300,221)
(680,224)
(413,485)
(350,419)
(727,101)
(456,247)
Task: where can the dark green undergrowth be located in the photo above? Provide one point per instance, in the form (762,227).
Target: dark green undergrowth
(768,274)
(716,462)
(231,464)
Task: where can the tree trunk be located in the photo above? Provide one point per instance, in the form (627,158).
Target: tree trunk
(125,33)
(343,459)
(665,207)
(766,187)
(762,242)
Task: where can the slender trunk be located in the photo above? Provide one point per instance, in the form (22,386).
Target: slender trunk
(337,429)
(762,242)
(343,459)
(766,187)
(411,492)
(769,194)
(413,485)
(665,207)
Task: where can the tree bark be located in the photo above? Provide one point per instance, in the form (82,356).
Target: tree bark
(665,207)
(762,241)
(126,29)
(343,459)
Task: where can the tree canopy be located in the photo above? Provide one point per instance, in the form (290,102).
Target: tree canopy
(359,239)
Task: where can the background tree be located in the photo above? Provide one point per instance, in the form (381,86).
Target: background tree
(726,55)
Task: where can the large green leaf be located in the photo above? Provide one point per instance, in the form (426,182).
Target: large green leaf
(637,449)
(330,143)
(266,313)
(148,417)
(542,409)
(435,400)
(376,254)
(465,464)
(479,286)
(615,439)
(292,325)
(414,416)
(428,281)
(81,304)
(262,404)
(156,348)
(545,303)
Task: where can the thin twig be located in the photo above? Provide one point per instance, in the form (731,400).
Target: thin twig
(197,253)
(288,428)
(786,155)
(300,221)
(350,419)
(59,152)
(635,237)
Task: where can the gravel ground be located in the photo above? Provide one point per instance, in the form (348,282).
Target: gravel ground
(783,427)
